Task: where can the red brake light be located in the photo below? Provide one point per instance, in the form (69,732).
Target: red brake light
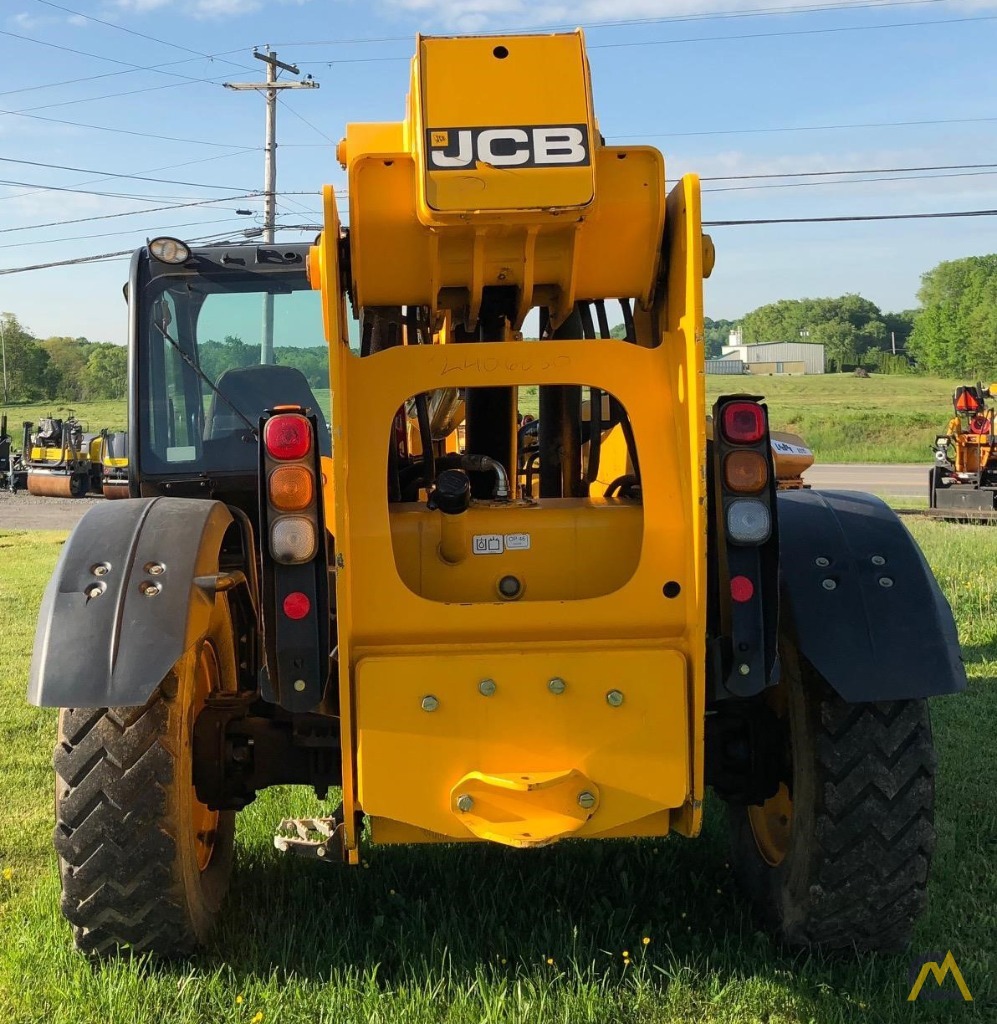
(287,437)
(741,589)
(743,422)
(297,605)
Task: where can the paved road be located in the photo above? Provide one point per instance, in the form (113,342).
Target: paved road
(24,511)
(892,480)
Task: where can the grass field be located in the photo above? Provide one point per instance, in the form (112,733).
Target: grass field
(843,418)
(464,935)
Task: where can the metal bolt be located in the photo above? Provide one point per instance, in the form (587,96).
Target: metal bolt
(586,800)
(319,851)
(878,560)
(149,589)
(744,669)
(886,581)
(94,590)
(556,685)
(299,685)
(822,562)
(465,803)
(101,569)
(614,698)
(486,688)
(829,584)
(430,703)
(155,568)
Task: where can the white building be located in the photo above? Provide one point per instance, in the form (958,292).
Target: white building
(792,357)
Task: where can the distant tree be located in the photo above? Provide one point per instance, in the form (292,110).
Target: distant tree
(848,326)
(28,373)
(106,372)
(68,358)
(218,356)
(312,361)
(955,333)
(717,335)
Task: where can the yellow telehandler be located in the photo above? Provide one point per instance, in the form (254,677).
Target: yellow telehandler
(474,624)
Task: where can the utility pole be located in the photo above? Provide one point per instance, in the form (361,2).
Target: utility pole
(271,86)
(3,346)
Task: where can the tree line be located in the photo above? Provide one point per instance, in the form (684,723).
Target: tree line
(76,369)
(953,333)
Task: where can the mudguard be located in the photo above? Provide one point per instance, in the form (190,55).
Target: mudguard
(106,635)
(863,603)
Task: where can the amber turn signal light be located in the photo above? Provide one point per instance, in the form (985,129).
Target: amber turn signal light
(291,488)
(745,472)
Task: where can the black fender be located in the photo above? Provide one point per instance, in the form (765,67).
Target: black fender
(106,635)
(863,604)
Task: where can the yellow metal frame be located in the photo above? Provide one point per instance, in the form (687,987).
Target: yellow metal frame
(418,730)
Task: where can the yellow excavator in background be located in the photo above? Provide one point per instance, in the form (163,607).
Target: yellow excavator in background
(474,627)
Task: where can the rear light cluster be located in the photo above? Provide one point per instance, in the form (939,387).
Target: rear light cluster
(289,465)
(745,471)
(747,556)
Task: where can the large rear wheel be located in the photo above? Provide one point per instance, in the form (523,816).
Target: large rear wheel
(144,865)
(838,858)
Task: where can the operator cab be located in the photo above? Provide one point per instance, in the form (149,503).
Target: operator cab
(219,334)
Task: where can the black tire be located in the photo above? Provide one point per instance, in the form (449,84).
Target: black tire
(135,874)
(861,830)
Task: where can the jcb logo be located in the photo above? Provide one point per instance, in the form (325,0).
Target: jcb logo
(456,149)
(922,967)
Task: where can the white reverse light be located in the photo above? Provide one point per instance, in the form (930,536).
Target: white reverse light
(293,540)
(748,521)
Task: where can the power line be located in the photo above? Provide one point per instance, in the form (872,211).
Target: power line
(117,95)
(130,177)
(849,181)
(164,167)
(793,32)
(94,56)
(91,192)
(719,38)
(850,219)
(78,260)
(301,117)
(748,12)
(127,213)
(125,131)
(159,229)
(133,32)
(857,170)
(805,128)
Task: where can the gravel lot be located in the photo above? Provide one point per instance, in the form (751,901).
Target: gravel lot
(23,511)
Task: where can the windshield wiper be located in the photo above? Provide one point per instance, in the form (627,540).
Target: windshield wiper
(207,380)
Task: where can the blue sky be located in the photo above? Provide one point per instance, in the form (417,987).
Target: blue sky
(722,92)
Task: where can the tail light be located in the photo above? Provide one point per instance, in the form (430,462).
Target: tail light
(287,437)
(743,422)
(746,563)
(294,569)
(745,472)
(292,488)
(748,521)
(291,495)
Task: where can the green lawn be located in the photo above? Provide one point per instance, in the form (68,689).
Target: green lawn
(94,416)
(851,419)
(461,935)
(843,418)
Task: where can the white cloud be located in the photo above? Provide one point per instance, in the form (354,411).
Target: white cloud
(192,8)
(474,14)
(28,22)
